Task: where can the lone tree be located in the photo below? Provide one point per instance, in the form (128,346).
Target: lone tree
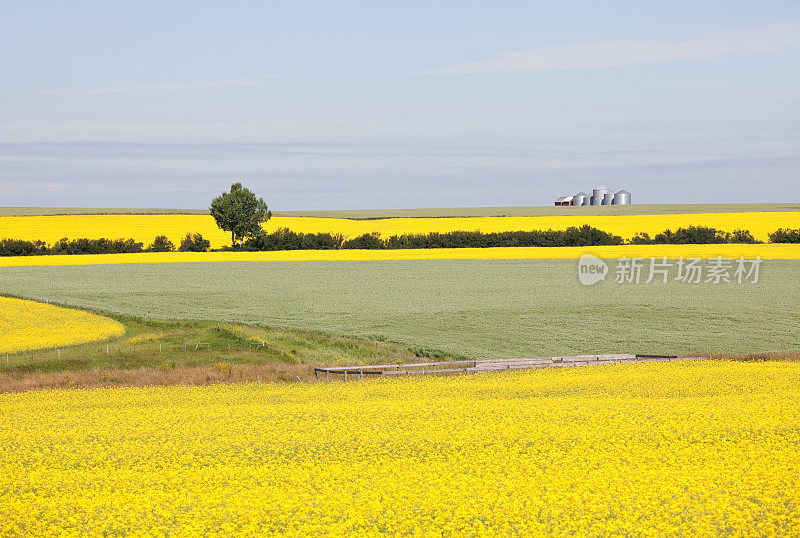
(239,212)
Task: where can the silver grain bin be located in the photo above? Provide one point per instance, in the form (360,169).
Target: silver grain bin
(622,197)
(597,195)
(579,198)
(608,199)
(587,200)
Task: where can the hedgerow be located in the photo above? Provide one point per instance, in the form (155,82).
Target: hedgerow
(286,239)
(694,235)
(19,247)
(785,235)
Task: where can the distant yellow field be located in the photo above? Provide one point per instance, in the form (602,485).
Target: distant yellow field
(145,228)
(28,325)
(765,251)
(759,224)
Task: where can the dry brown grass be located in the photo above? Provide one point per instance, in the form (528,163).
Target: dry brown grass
(152,377)
(220,372)
(749,357)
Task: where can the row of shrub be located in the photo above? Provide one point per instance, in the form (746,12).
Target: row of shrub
(785,235)
(703,235)
(697,235)
(18,247)
(583,236)
(285,239)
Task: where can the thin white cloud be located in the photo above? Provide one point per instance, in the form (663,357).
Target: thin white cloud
(124,88)
(601,54)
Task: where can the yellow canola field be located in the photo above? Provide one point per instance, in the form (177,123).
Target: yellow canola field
(659,449)
(142,228)
(145,228)
(767,252)
(26,325)
(759,224)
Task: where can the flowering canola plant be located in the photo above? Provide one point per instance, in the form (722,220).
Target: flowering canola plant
(145,228)
(659,449)
(734,251)
(26,325)
(759,224)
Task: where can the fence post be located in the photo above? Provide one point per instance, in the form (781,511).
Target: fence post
(59,353)
(6,359)
(159,348)
(106,349)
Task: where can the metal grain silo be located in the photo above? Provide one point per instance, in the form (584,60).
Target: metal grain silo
(579,198)
(622,197)
(608,199)
(587,200)
(597,195)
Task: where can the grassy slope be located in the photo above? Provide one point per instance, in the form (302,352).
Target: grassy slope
(160,344)
(513,211)
(473,308)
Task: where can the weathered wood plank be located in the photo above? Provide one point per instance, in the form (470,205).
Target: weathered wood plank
(491,365)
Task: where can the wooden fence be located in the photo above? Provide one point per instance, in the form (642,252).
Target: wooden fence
(347,373)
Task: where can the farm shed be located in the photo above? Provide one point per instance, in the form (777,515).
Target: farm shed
(564,200)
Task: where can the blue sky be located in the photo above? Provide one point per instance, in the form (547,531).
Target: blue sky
(325,105)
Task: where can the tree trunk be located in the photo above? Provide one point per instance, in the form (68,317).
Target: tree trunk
(233,239)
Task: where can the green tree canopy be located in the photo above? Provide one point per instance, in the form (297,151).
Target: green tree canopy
(239,212)
(161,244)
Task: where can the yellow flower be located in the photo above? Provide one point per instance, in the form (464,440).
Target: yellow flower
(26,325)
(658,449)
(145,228)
